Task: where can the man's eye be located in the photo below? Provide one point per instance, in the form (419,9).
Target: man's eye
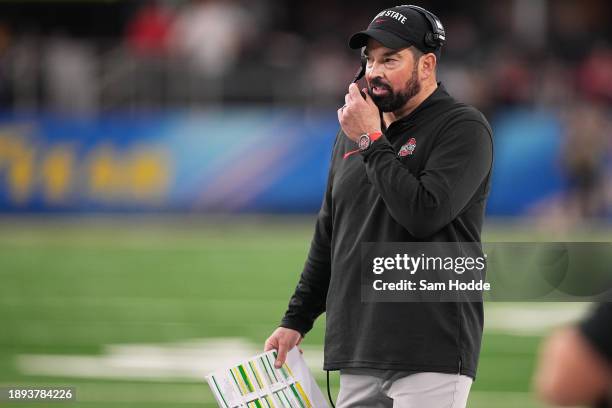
(389,60)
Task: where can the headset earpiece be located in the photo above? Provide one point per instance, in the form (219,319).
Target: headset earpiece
(430,41)
(437,37)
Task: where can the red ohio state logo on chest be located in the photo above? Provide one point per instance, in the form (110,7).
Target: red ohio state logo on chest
(408,148)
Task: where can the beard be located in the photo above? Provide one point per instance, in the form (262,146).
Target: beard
(394,101)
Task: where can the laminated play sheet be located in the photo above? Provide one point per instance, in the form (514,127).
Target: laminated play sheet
(255,383)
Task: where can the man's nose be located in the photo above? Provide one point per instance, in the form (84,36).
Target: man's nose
(374,70)
(374,73)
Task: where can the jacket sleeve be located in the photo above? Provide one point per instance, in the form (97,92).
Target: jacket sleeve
(426,202)
(309,299)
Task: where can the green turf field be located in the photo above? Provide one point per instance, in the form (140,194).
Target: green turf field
(133,312)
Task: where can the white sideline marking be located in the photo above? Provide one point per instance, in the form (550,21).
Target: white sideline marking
(192,360)
(184,361)
(532,319)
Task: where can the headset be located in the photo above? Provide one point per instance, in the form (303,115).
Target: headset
(437,37)
(433,39)
(362,68)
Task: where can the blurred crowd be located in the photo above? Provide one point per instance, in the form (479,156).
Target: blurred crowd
(88,57)
(99,55)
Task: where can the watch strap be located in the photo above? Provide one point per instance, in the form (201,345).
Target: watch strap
(373,136)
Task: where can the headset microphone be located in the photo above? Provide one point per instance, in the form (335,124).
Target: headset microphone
(360,72)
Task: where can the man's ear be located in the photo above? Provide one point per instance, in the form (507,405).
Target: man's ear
(427,65)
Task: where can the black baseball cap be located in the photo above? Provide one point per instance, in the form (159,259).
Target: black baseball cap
(397,27)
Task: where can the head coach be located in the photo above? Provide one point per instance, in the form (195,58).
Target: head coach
(409,164)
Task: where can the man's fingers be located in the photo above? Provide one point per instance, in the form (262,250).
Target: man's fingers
(367,96)
(282,340)
(354,92)
(270,344)
(369,100)
(280,358)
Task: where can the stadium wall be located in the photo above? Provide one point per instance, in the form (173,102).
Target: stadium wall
(230,160)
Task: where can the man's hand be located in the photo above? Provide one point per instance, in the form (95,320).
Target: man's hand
(358,115)
(283,340)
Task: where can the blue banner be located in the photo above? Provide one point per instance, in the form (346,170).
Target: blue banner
(239,160)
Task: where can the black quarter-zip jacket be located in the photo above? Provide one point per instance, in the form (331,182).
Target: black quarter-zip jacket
(436,194)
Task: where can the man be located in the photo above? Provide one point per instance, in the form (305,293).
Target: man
(420,172)
(576,363)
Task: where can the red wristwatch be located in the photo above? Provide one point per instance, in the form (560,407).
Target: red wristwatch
(365,141)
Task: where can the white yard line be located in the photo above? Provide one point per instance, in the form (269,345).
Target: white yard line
(187,361)
(190,361)
(531,319)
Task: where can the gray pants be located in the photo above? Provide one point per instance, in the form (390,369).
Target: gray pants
(360,387)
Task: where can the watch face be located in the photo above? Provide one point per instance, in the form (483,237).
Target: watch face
(364,142)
